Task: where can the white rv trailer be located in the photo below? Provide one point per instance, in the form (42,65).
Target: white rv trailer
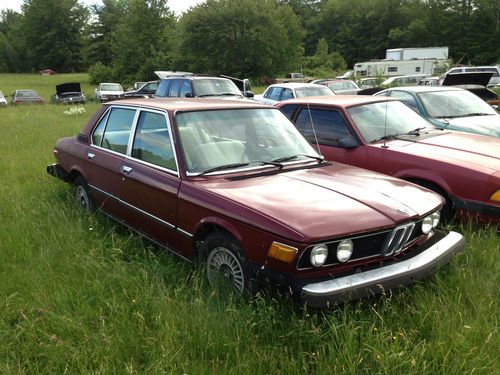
(403,61)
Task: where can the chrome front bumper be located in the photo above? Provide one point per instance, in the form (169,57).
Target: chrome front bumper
(323,293)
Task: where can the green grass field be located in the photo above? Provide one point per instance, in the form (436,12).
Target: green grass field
(82,295)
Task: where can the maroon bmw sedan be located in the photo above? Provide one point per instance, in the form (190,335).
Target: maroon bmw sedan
(236,185)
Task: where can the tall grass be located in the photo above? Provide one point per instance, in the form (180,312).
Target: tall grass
(80,294)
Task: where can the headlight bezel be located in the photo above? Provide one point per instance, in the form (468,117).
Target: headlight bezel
(347,250)
(319,255)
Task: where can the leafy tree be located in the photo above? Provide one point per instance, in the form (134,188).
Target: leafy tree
(323,63)
(240,38)
(98,45)
(9,57)
(143,40)
(50,34)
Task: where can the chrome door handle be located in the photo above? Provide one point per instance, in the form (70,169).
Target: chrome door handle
(126,169)
(90,155)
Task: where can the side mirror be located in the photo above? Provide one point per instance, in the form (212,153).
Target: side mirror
(347,142)
(188,95)
(249,94)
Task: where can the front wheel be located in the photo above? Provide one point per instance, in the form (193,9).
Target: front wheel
(226,266)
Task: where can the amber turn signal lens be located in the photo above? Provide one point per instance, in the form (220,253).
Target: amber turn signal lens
(495,196)
(282,252)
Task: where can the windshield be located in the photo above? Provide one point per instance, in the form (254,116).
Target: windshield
(111,87)
(216,138)
(459,103)
(342,85)
(312,91)
(211,86)
(376,120)
(27,94)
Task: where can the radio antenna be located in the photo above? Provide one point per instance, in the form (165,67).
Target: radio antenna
(313,128)
(385,126)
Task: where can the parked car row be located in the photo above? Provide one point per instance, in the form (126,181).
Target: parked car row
(331,197)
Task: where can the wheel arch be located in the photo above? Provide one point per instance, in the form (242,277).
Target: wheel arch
(211,225)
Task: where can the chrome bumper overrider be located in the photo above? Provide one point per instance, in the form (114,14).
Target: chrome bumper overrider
(374,281)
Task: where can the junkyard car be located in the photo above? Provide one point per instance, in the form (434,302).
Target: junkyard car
(147,90)
(26,97)
(69,93)
(3,101)
(109,91)
(386,136)
(341,86)
(235,184)
(449,108)
(189,85)
(476,83)
(284,91)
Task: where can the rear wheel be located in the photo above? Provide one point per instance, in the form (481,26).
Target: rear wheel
(82,196)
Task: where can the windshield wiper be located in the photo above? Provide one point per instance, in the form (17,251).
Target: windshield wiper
(293,157)
(476,114)
(224,167)
(392,136)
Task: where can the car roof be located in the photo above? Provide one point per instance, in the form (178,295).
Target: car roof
(175,104)
(339,100)
(423,88)
(294,85)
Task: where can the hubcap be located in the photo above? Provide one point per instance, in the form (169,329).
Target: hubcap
(222,263)
(82,197)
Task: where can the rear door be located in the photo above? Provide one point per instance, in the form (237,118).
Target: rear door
(151,180)
(105,157)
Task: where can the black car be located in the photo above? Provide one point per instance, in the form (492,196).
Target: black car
(69,93)
(147,90)
(188,85)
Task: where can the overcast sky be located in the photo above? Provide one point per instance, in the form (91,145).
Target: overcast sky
(177,6)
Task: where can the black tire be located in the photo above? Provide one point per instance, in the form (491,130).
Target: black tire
(226,266)
(81,194)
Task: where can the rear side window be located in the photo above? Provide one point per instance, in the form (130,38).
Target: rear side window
(288,110)
(175,88)
(117,129)
(329,126)
(152,142)
(186,88)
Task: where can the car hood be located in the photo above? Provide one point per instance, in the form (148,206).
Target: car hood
(325,202)
(477,78)
(468,150)
(68,87)
(487,124)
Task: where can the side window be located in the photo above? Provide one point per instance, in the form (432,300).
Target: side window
(286,94)
(152,141)
(175,88)
(186,88)
(406,98)
(329,126)
(99,130)
(288,110)
(117,130)
(163,88)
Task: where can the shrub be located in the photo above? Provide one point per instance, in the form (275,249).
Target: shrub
(100,73)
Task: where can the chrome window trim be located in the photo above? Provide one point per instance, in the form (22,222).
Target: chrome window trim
(131,139)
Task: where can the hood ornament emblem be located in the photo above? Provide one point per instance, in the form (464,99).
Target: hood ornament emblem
(402,210)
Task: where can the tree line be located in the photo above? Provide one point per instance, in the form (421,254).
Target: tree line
(126,40)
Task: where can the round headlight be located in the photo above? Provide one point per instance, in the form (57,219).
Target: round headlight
(344,250)
(319,253)
(436,216)
(427,224)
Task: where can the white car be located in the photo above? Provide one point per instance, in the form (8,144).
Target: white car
(283,91)
(109,91)
(3,101)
